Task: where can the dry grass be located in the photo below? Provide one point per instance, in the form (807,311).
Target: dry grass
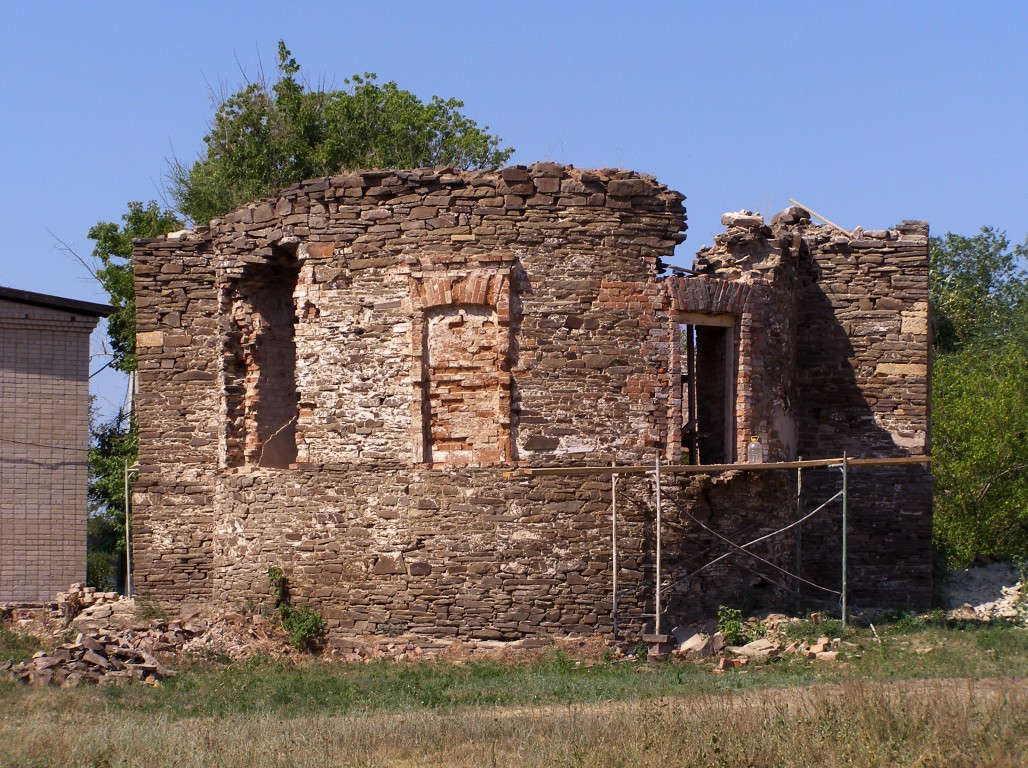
(925,723)
(916,693)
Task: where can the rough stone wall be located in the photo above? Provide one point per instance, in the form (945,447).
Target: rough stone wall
(466,552)
(182,417)
(842,368)
(446,326)
(44,370)
(863,375)
(550,271)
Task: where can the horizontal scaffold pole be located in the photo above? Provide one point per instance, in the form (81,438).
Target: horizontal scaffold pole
(713,468)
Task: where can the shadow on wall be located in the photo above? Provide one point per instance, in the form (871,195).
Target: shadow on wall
(846,390)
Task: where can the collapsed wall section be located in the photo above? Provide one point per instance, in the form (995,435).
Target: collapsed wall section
(839,366)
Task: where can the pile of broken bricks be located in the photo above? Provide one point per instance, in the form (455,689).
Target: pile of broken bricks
(105,656)
(113,645)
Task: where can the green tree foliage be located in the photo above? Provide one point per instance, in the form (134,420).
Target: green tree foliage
(978,288)
(114,442)
(262,138)
(113,446)
(980,396)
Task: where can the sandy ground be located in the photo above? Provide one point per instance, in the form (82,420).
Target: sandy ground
(992,591)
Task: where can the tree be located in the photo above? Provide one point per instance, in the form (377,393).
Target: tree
(978,289)
(980,448)
(263,138)
(980,396)
(113,443)
(113,447)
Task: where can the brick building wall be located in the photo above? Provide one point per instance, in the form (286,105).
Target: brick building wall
(333,382)
(44,359)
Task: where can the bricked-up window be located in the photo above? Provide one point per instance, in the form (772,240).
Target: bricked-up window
(708,388)
(260,365)
(462,386)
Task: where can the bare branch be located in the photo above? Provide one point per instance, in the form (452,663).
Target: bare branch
(63,246)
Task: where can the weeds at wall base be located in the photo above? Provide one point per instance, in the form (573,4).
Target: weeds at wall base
(306,627)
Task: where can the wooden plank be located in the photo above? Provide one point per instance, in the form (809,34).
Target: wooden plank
(728,407)
(699,318)
(817,215)
(714,468)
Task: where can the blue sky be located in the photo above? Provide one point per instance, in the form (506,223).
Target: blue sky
(868,112)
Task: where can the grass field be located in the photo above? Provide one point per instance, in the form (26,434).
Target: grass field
(926,694)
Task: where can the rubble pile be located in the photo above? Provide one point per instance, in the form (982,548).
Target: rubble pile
(116,642)
(107,656)
(80,597)
(235,635)
(699,645)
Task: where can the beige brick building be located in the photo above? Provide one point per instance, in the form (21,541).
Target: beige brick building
(44,402)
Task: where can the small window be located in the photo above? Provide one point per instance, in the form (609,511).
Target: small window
(708,388)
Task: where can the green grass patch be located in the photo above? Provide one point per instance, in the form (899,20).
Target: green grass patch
(313,687)
(17,646)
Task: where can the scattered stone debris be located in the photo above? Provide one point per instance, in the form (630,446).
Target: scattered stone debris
(760,650)
(104,657)
(114,642)
(986,593)
(79,597)
(767,646)
(701,645)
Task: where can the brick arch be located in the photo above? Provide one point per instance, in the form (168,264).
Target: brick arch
(478,287)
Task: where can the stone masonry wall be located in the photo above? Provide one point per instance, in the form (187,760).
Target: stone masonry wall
(468,553)
(863,375)
(182,424)
(44,370)
(445,327)
(536,285)
(845,371)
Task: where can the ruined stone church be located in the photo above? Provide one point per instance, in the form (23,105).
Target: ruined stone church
(342,381)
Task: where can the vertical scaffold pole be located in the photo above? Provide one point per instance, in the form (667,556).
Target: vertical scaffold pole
(799,533)
(128,537)
(845,473)
(656,624)
(614,548)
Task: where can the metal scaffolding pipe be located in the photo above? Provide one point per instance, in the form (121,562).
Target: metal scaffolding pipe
(845,473)
(656,625)
(614,550)
(799,532)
